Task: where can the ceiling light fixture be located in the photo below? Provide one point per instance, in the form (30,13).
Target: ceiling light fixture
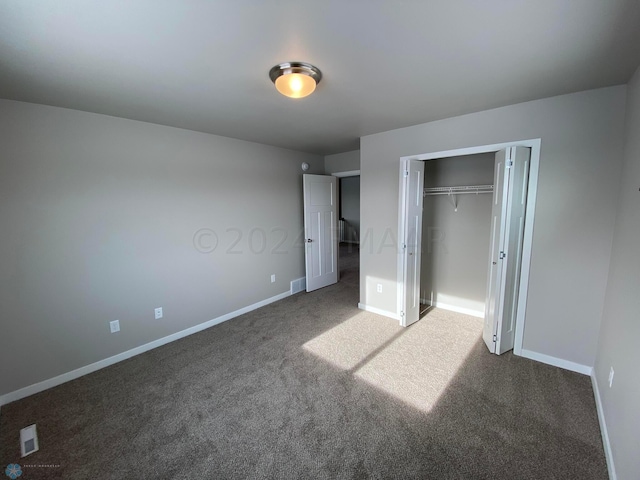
(295,79)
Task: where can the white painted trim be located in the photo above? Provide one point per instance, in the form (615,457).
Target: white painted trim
(472,150)
(608,452)
(350,173)
(454,308)
(79,372)
(556,362)
(534,145)
(378,311)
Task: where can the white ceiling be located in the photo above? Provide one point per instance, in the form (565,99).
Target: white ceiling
(203,65)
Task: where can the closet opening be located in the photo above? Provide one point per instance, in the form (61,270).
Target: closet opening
(456,233)
(465,229)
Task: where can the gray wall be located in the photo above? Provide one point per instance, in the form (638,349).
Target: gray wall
(342,162)
(98,220)
(455,245)
(350,206)
(619,345)
(579,176)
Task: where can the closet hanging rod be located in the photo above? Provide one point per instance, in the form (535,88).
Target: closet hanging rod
(458,190)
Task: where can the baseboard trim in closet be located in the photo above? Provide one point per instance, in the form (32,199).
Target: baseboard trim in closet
(454,308)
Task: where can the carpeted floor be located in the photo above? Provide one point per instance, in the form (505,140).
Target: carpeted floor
(312,387)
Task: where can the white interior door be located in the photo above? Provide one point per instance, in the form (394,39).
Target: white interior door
(507,233)
(412,181)
(321,227)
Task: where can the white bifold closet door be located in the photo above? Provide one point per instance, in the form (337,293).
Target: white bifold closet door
(507,232)
(412,188)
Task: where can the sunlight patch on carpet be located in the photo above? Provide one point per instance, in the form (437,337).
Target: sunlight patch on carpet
(354,341)
(414,364)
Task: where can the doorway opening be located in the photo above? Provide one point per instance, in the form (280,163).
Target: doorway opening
(349,225)
(510,223)
(331,205)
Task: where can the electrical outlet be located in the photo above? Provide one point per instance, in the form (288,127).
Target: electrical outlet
(611,372)
(158,312)
(114,326)
(273,278)
(379,288)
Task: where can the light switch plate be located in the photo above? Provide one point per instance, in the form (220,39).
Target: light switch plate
(29,440)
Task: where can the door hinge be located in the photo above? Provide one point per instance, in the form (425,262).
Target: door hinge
(495,338)
(402,314)
(509,163)
(406,173)
(404,246)
(502,255)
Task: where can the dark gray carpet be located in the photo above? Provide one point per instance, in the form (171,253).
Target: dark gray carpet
(312,387)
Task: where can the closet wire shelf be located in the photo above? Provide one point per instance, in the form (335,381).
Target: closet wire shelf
(454,191)
(477,189)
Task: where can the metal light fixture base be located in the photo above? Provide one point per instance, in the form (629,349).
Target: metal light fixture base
(295,79)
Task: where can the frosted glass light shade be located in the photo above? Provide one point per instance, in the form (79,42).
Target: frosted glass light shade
(295,85)
(295,79)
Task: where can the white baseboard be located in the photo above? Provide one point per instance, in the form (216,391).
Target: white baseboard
(608,453)
(379,311)
(454,308)
(556,362)
(79,372)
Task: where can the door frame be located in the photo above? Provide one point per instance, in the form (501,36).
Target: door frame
(340,176)
(534,144)
(350,173)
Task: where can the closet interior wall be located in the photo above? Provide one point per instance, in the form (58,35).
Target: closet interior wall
(455,244)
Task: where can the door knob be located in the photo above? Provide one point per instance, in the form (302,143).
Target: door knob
(309,240)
